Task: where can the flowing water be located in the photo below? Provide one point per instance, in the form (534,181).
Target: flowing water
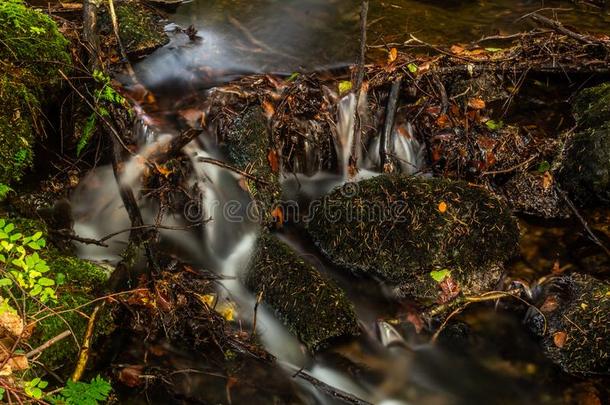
(393,365)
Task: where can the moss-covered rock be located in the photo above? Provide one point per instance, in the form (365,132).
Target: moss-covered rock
(140,29)
(415,234)
(584,167)
(311,306)
(246,144)
(592,106)
(78,283)
(16,129)
(31,39)
(83,281)
(575,324)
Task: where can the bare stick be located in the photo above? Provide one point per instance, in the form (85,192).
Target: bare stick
(364,10)
(557,26)
(233,169)
(47,344)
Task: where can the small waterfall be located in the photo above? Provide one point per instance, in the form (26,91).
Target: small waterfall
(344,134)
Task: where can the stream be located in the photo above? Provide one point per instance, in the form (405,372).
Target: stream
(389,363)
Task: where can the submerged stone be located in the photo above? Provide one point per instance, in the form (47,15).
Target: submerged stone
(575,323)
(432,239)
(584,171)
(311,306)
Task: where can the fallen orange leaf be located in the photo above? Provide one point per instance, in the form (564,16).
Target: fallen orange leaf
(274,161)
(476,103)
(442,207)
(393,54)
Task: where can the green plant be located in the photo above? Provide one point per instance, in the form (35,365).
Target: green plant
(80,393)
(21,264)
(104,94)
(34,388)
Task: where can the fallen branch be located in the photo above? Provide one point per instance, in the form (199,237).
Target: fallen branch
(385,141)
(233,169)
(48,344)
(557,26)
(325,388)
(175,145)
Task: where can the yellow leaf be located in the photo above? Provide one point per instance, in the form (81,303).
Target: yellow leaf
(227,310)
(345,86)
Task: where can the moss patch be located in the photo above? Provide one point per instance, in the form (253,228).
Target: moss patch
(31,39)
(311,306)
(16,128)
(139,29)
(404,230)
(577,329)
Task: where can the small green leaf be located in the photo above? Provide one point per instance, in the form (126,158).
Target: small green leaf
(544,166)
(345,86)
(439,275)
(494,125)
(5,282)
(36,236)
(293,77)
(46,282)
(412,67)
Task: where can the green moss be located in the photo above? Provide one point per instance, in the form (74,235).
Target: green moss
(31,39)
(577,329)
(592,106)
(400,229)
(16,129)
(311,306)
(139,31)
(83,281)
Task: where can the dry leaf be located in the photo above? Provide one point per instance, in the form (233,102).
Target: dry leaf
(11,323)
(559,338)
(274,161)
(450,289)
(476,103)
(547,180)
(443,121)
(456,49)
(163,170)
(130,375)
(392,55)
(442,207)
(269,109)
(549,305)
(278,216)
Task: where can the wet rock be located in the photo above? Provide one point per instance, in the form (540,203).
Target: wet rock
(310,305)
(432,239)
(575,323)
(534,193)
(584,170)
(140,29)
(245,141)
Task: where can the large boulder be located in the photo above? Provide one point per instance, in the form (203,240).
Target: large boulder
(584,169)
(573,323)
(310,305)
(431,239)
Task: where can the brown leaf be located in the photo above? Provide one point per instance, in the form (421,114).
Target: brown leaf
(11,323)
(549,305)
(269,109)
(416,320)
(443,121)
(392,55)
(559,338)
(457,49)
(274,161)
(130,375)
(163,170)
(450,289)
(476,103)
(547,180)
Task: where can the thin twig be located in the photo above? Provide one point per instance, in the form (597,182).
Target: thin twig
(48,344)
